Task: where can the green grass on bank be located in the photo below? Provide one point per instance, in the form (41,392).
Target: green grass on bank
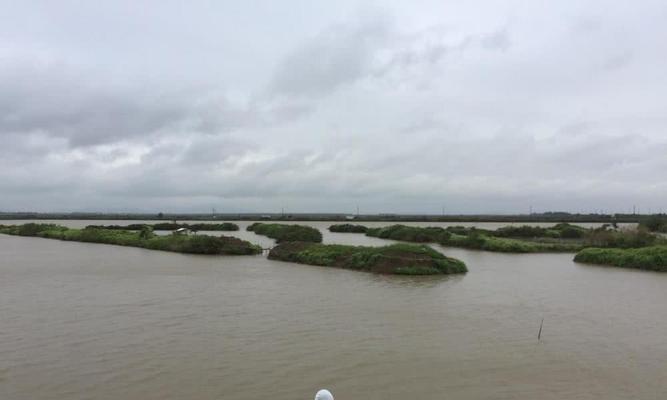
(401,259)
(287,233)
(145,238)
(652,258)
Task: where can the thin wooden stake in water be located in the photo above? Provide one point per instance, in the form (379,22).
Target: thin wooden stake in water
(539,334)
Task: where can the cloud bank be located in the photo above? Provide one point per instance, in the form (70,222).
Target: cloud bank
(404,107)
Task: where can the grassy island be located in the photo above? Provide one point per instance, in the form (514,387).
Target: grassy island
(401,259)
(471,238)
(523,239)
(558,231)
(145,238)
(480,241)
(348,228)
(287,233)
(171,226)
(409,233)
(652,258)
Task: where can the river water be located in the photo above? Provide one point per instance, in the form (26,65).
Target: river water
(92,321)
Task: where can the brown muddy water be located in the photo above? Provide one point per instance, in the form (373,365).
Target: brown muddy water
(92,321)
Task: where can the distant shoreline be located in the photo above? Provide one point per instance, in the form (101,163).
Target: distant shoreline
(337,217)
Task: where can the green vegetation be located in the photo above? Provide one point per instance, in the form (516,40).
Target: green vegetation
(287,233)
(410,233)
(145,238)
(471,238)
(402,259)
(172,226)
(348,228)
(621,238)
(655,223)
(522,239)
(651,258)
(559,231)
(481,241)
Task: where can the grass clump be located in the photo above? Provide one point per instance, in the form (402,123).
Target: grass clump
(400,259)
(144,238)
(287,233)
(652,258)
(348,228)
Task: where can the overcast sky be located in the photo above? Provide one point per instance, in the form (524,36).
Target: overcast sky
(396,106)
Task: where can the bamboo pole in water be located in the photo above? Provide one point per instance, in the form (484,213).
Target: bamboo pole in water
(539,334)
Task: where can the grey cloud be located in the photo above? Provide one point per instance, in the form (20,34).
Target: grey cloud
(340,55)
(213,150)
(486,108)
(499,40)
(426,49)
(346,53)
(52,102)
(618,60)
